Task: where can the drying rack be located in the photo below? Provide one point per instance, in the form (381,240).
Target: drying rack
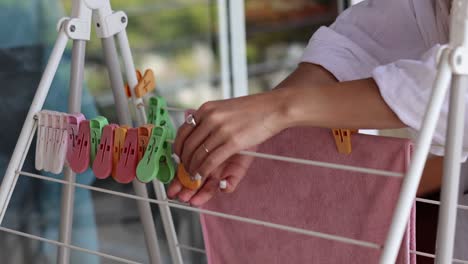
(452,72)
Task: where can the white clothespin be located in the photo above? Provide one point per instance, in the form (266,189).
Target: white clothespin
(60,143)
(41,139)
(51,141)
(51,127)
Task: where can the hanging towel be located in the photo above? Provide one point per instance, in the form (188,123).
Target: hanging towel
(338,202)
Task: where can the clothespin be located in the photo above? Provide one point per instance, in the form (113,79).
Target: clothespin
(51,131)
(159,116)
(82,149)
(185,179)
(60,144)
(73,124)
(146,84)
(126,168)
(144,134)
(157,161)
(51,142)
(119,140)
(96,126)
(41,142)
(343,140)
(102,165)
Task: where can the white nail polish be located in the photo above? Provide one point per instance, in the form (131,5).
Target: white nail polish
(176,158)
(198,177)
(223,184)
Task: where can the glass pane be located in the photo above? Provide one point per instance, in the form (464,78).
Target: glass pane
(277,33)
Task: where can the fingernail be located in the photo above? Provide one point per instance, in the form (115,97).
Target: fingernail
(198,177)
(176,158)
(223,184)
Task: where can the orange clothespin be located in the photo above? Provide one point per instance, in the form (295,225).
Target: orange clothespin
(185,179)
(127,87)
(119,141)
(146,84)
(144,134)
(343,139)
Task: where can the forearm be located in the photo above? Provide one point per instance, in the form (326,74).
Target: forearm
(311,96)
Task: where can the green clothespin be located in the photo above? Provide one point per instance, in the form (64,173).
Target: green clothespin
(157,162)
(96,126)
(159,116)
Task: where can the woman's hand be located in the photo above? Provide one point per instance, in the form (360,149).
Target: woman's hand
(233,171)
(223,128)
(311,96)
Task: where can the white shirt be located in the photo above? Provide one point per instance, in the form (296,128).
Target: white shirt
(395,42)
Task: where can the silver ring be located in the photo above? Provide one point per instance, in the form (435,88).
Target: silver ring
(191,120)
(205,148)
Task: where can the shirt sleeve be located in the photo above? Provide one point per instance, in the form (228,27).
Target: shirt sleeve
(369,34)
(407,85)
(350,49)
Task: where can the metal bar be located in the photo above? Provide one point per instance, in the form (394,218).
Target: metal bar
(68,192)
(159,189)
(184,207)
(218,214)
(452,163)
(129,67)
(168,223)
(60,244)
(9,180)
(411,181)
(319,163)
(418,253)
(223,39)
(239,53)
(123,114)
(322,164)
(193,249)
(112,63)
(427,201)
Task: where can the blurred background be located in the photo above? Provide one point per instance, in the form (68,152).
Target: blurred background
(193,46)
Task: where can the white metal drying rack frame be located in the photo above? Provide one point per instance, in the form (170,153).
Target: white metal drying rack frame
(453,64)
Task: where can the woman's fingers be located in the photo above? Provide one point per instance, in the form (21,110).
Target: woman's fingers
(185,195)
(184,131)
(193,142)
(210,145)
(209,189)
(234,171)
(174,189)
(217,157)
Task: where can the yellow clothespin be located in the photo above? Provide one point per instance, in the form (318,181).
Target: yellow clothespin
(343,139)
(146,84)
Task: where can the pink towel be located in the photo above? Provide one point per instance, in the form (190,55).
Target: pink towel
(350,204)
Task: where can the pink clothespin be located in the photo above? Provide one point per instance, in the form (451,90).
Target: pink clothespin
(79,161)
(73,124)
(102,166)
(126,168)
